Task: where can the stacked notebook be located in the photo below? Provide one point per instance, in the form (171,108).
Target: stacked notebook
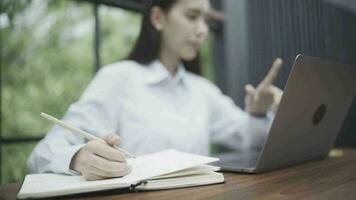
(163,170)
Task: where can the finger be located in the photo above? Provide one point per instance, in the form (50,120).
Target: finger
(111,174)
(276,89)
(105,151)
(92,177)
(113,139)
(250,89)
(252,92)
(277,93)
(271,75)
(107,168)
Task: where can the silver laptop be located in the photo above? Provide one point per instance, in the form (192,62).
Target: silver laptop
(314,105)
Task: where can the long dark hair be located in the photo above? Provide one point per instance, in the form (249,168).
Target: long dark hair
(147,46)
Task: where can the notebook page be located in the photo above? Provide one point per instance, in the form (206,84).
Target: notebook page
(163,162)
(184,181)
(49,184)
(190,171)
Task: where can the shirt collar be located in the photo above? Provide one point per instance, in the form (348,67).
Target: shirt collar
(157,73)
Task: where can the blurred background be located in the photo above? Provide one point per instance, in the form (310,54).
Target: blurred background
(51,49)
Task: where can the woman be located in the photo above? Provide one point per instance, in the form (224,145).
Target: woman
(156,100)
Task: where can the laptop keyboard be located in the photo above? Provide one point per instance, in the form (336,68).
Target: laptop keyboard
(236,160)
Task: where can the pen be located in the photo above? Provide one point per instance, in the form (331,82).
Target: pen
(81,132)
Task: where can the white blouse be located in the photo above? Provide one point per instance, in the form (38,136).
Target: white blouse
(151,110)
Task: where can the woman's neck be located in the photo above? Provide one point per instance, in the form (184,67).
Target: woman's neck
(169,61)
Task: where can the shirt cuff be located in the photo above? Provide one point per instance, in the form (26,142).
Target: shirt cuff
(258,129)
(63,158)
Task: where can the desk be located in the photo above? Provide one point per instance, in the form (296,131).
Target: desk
(331,178)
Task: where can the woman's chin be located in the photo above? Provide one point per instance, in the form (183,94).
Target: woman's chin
(189,56)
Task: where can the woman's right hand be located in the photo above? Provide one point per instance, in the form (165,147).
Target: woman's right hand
(97,161)
(258,100)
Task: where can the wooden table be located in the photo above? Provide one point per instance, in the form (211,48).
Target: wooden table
(331,178)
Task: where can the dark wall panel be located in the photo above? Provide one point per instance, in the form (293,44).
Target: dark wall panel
(285,28)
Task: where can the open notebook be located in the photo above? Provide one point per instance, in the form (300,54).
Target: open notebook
(163,170)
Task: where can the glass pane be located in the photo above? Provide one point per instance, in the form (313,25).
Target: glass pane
(207,59)
(47,60)
(119,30)
(13,163)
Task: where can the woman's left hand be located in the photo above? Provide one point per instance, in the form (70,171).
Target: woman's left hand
(258,100)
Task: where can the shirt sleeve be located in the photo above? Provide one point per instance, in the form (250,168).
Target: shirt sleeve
(95,112)
(233,127)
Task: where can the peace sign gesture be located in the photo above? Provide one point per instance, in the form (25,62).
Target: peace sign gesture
(265,95)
